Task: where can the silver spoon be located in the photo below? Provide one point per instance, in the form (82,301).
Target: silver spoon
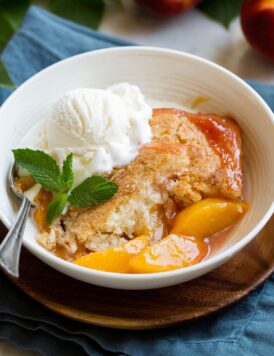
(10,247)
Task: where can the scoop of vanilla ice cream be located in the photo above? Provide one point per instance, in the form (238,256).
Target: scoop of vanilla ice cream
(102,128)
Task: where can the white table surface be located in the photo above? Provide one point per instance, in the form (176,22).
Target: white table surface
(191,32)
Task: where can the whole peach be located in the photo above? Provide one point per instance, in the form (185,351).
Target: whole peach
(167,7)
(257,19)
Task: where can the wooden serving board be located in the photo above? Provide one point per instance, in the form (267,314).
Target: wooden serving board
(150,308)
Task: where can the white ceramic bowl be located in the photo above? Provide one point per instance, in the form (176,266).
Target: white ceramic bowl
(162,75)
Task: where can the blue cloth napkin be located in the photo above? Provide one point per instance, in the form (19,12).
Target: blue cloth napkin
(246,328)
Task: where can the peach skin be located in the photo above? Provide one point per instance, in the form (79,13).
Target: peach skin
(257,19)
(167,7)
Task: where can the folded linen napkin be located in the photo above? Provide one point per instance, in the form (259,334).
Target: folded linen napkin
(243,329)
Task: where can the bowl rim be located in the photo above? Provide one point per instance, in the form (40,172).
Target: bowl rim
(45,255)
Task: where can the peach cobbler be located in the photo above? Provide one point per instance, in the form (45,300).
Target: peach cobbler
(181,190)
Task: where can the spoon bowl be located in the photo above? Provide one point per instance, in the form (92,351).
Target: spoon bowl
(10,247)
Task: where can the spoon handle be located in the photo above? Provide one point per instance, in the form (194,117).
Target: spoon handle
(10,248)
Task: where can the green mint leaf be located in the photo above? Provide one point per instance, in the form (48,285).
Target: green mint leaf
(223,11)
(93,191)
(5,79)
(85,12)
(41,166)
(67,174)
(56,207)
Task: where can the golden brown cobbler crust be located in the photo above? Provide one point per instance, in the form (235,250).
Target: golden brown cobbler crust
(179,163)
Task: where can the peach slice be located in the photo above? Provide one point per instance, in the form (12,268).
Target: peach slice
(172,252)
(42,199)
(24,183)
(208,217)
(115,259)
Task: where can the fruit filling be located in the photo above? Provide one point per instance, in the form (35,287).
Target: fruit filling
(187,243)
(42,200)
(179,238)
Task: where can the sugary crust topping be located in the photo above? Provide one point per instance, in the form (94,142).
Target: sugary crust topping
(180,163)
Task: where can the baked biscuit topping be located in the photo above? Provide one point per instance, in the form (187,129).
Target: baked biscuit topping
(191,157)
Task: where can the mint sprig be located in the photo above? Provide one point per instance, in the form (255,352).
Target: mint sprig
(66,178)
(93,191)
(56,207)
(43,168)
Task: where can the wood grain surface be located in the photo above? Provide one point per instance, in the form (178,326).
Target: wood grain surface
(150,308)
